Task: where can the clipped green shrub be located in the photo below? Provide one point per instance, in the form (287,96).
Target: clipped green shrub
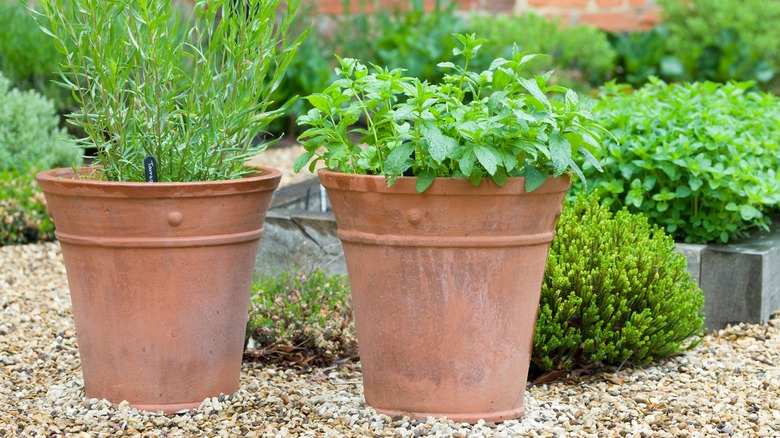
(727,39)
(28,57)
(614,292)
(23,217)
(580,54)
(29,132)
(700,160)
(304,316)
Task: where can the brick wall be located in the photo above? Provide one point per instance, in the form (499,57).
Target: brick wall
(612,15)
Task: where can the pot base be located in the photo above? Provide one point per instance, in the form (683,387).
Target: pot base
(168,408)
(471,418)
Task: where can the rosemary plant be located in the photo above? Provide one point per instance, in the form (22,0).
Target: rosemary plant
(191,89)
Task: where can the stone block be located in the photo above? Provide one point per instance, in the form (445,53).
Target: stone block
(741,280)
(692,252)
(298,238)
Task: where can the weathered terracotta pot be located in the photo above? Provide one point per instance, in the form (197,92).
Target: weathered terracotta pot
(160,276)
(445,289)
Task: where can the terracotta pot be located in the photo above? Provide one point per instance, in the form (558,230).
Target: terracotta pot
(445,289)
(160,276)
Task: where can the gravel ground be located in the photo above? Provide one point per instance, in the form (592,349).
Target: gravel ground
(728,386)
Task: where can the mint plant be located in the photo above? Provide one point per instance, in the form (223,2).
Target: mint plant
(493,124)
(700,160)
(193,91)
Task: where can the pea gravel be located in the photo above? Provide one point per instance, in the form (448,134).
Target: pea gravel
(728,386)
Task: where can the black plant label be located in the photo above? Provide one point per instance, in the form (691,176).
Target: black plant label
(150,169)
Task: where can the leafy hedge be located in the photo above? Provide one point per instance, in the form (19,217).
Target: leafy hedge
(615,291)
(700,160)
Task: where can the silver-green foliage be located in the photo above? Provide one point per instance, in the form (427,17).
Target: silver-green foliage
(29,132)
(615,291)
(194,96)
(700,159)
(492,124)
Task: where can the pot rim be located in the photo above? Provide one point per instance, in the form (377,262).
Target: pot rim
(333,179)
(62,180)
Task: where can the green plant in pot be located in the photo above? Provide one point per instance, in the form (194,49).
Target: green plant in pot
(446,208)
(160,236)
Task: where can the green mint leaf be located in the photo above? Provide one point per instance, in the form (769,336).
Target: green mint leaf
(425,180)
(440,146)
(487,158)
(533,88)
(301,161)
(399,159)
(466,162)
(533,178)
(560,153)
(320,102)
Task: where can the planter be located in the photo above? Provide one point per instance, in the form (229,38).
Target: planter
(445,289)
(160,277)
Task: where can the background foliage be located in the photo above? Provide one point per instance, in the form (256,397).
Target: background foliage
(30,133)
(29,139)
(700,160)
(581,55)
(23,217)
(28,58)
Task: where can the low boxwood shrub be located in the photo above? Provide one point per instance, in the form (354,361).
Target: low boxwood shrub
(23,217)
(305,317)
(614,292)
(700,160)
(30,133)
(581,54)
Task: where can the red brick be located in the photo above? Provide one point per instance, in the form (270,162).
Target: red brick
(649,20)
(499,5)
(559,3)
(637,3)
(609,3)
(612,21)
(335,6)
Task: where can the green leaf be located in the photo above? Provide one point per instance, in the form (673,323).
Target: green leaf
(399,158)
(533,88)
(302,161)
(560,153)
(534,178)
(466,163)
(320,102)
(440,146)
(487,158)
(425,180)
(748,212)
